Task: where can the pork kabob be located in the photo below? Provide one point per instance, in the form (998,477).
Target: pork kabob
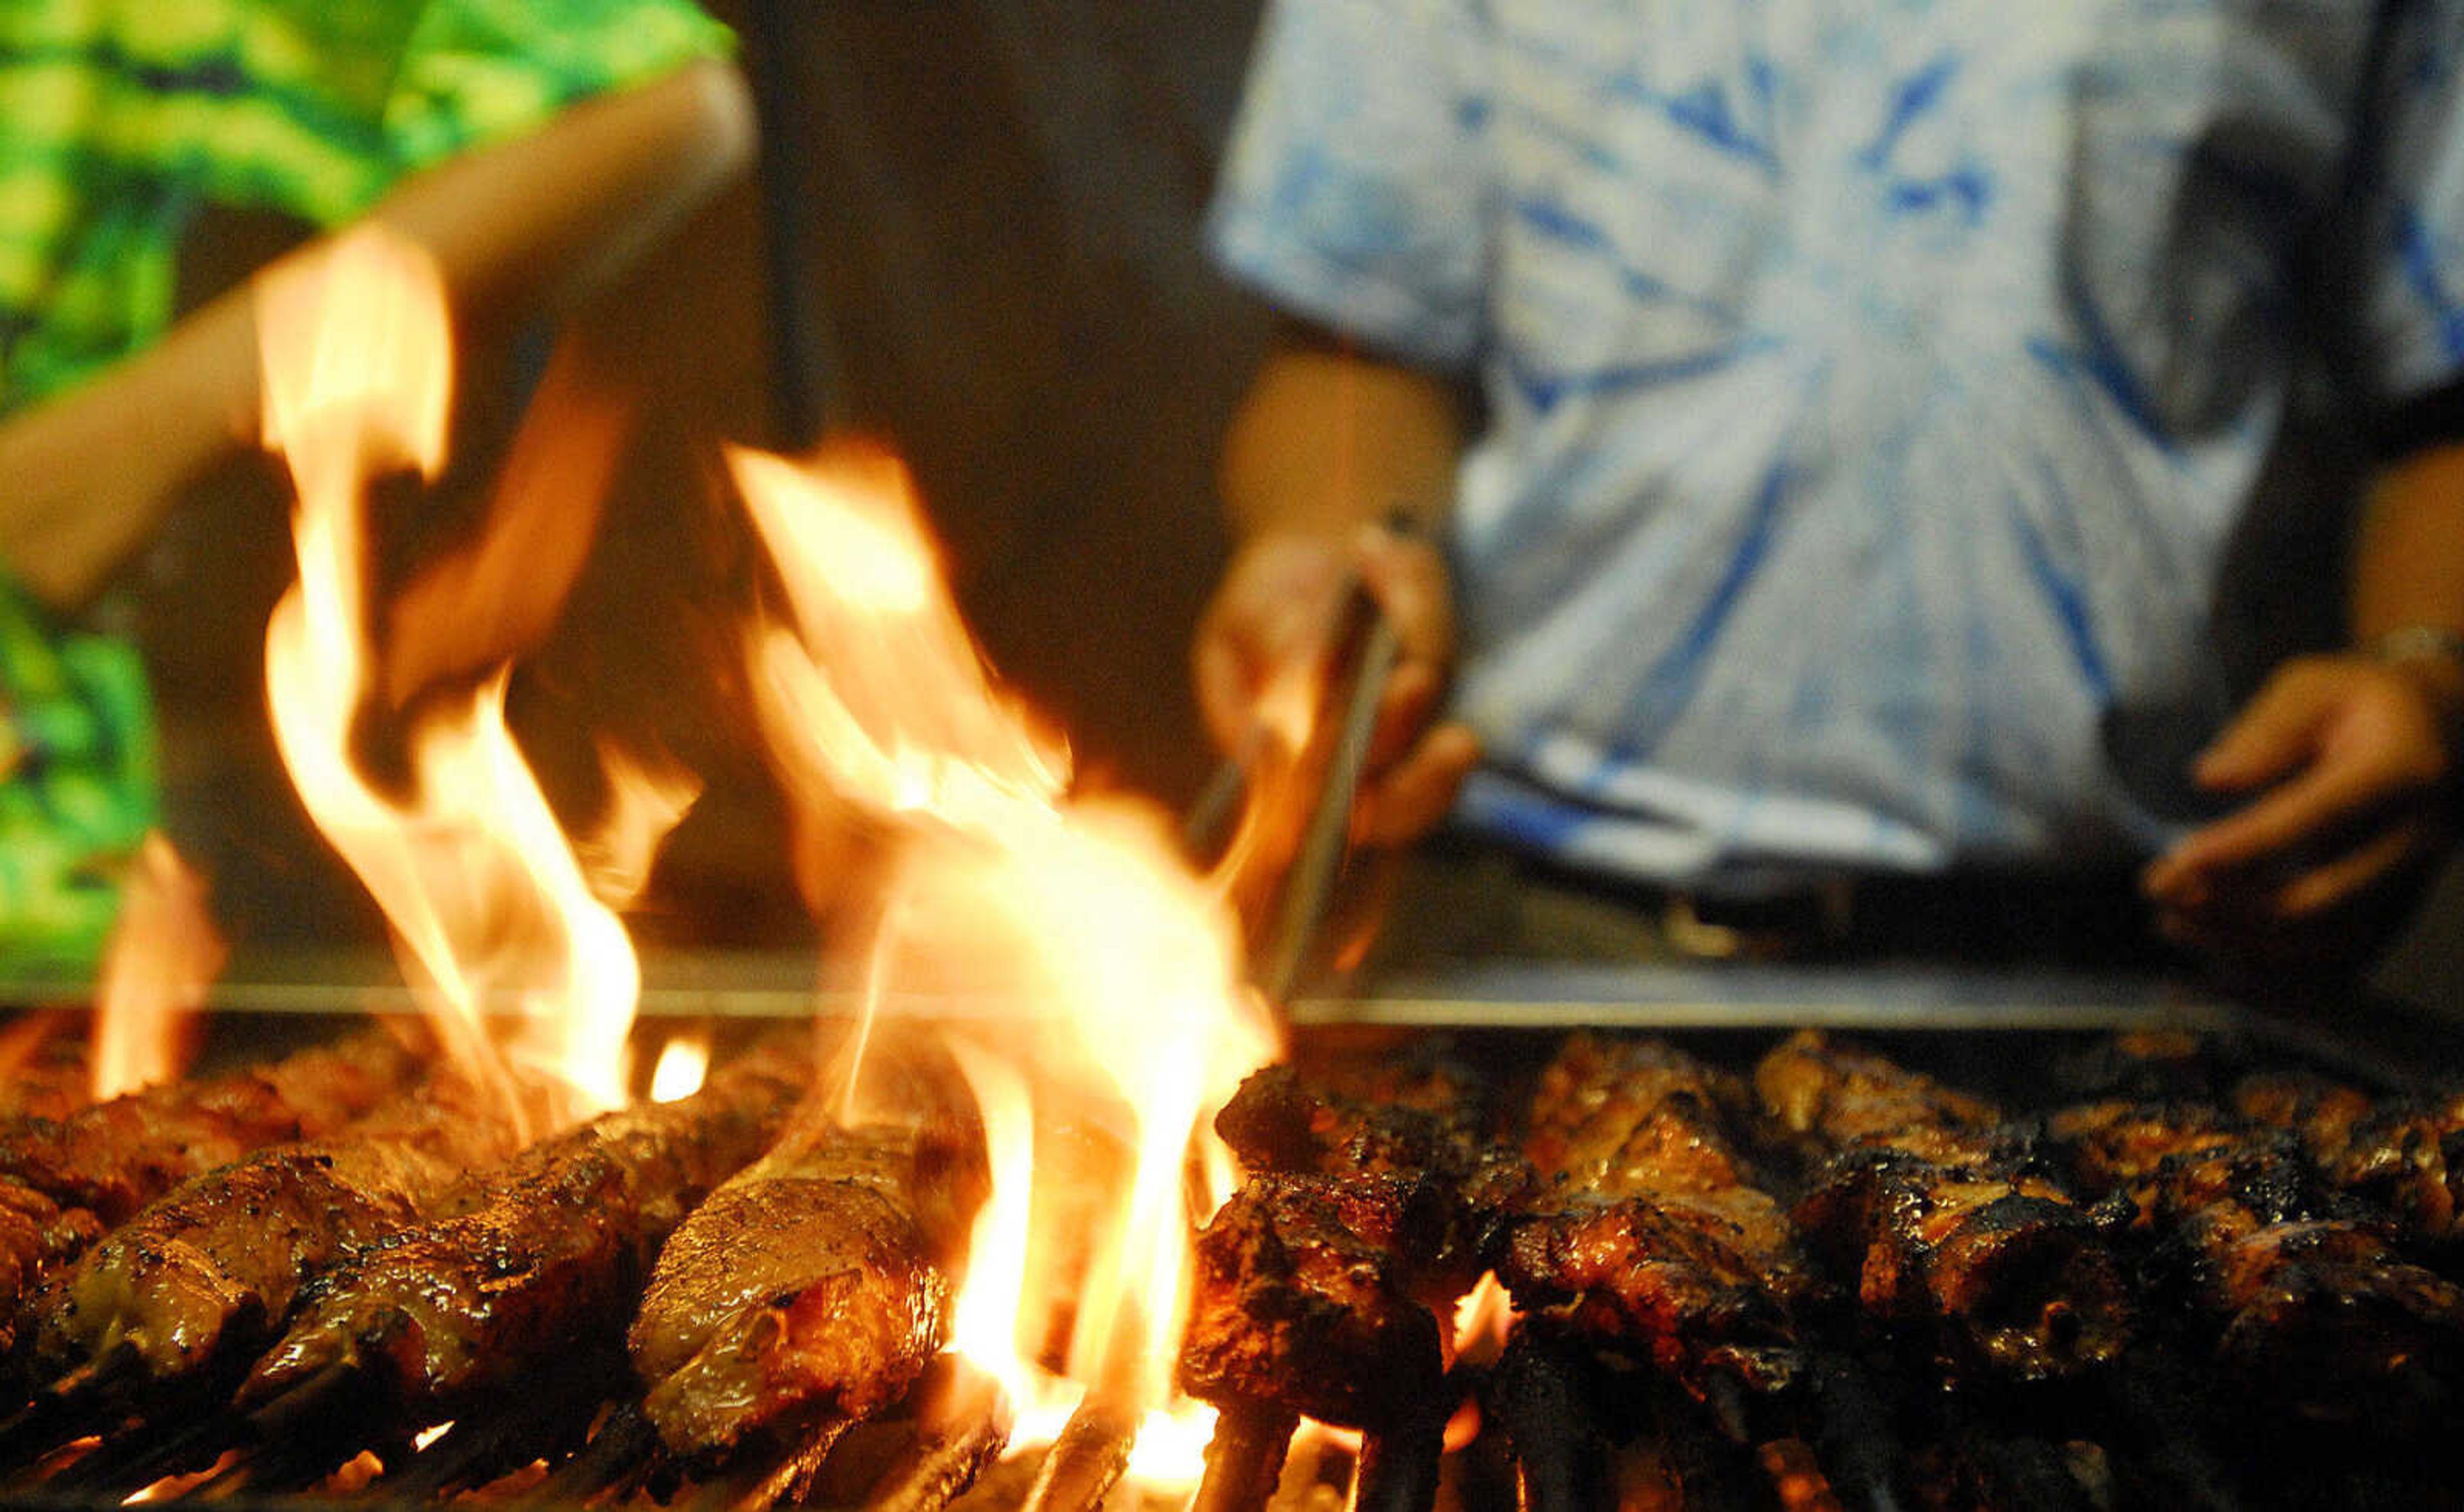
(1960,1235)
(1325,1286)
(1652,1240)
(158,1319)
(66,1182)
(2302,1295)
(808,1292)
(2403,1156)
(505,1310)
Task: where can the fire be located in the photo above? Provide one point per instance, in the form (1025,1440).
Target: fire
(489,905)
(683,1061)
(1115,970)
(163,955)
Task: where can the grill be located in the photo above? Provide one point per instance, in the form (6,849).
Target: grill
(1561,1426)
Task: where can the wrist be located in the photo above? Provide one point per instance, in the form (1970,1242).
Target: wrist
(2431,657)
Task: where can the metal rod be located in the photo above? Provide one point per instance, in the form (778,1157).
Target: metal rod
(1310,882)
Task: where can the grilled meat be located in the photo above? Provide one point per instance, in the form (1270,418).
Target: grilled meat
(66,1182)
(535,1264)
(1318,1287)
(1307,1294)
(1945,1215)
(43,1071)
(1650,1232)
(812,1287)
(2404,1158)
(200,1279)
(2303,1297)
(115,1157)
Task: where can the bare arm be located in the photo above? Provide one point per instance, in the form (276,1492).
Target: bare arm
(2350,760)
(1329,444)
(533,224)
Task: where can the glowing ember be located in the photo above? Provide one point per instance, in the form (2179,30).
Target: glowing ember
(1116,969)
(163,955)
(489,907)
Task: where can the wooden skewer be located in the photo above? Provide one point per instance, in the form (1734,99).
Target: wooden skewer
(1244,1459)
(1560,1456)
(1086,1460)
(964,1428)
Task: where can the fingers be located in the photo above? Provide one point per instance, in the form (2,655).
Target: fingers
(2338,912)
(2320,799)
(1407,577)
(2314,868)
(2340,882)
(1413,794)
(1263,633)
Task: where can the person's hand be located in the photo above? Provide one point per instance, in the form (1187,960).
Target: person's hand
(2351,765)
(1263,636)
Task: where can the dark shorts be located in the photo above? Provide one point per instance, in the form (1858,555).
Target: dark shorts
(1457,901)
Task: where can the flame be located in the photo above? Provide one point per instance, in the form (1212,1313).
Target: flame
(1483,1319)
(164,953)
(487,904)
(1118,969)
(683,1061)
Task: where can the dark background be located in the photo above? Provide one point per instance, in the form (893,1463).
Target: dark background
(975,231)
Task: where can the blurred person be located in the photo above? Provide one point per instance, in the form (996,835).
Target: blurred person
(533,147)
(1825,424)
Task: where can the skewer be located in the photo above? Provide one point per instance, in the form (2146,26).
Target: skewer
(121,1466)
(1560,1455)
(480,1448)
(963,1428)
(1244,1459)
(618,1458)
(67,1408)
(776,1477)
(1853,1432)
(1400,1461)
(1084,1460)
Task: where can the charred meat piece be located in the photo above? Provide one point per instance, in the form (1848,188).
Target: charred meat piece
(536,1264)
(1318,1286)
(1951,1226)
(1308,1295)
(2403,1158)
(43,1069)
(1649,1232)
(812,1287)
(200,1279)
(2302,1297)
(115,1157)
(66,1182)
(1827,1097)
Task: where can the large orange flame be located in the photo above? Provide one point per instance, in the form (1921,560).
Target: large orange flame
(490,910)
(1102,978)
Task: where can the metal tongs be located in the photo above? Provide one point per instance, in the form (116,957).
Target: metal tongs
(1361,661)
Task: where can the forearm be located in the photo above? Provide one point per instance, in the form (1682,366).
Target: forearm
(2409,562)
(90,474)
(1329,439)
(528,226)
